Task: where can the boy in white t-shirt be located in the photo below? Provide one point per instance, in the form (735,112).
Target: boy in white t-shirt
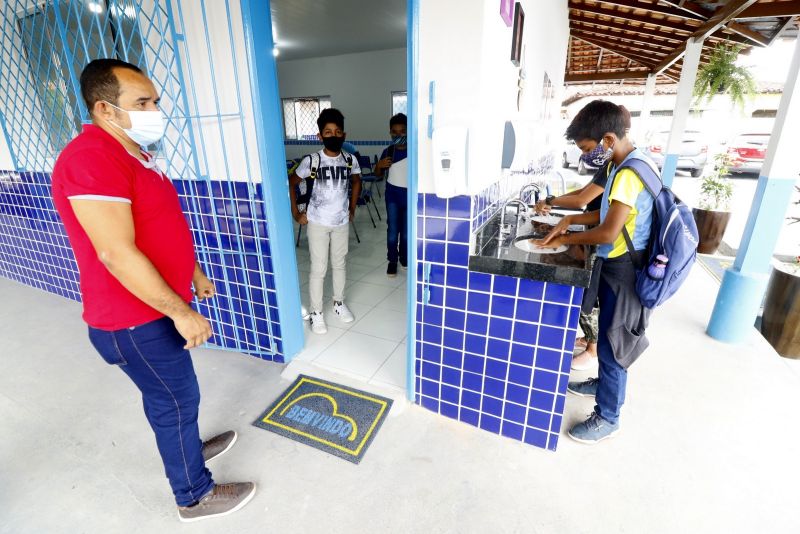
(334,179)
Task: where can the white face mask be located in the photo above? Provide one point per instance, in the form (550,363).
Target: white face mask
(147,127)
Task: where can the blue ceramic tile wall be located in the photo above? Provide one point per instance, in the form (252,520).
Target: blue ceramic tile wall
(228,225)
(315,142)
(492,351)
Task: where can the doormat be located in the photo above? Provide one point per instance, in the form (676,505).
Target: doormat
(715,265)
(337,419)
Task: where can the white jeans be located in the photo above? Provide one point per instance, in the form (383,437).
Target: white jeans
(320,239)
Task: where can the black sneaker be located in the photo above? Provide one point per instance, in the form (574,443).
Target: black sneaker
(391,270)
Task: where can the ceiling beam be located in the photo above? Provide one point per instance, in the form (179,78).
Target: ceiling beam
(639,30)
(598,10)
(736,27)
(619,42)
(654,8)
(749,34)
(627,36)
(627,54)
(719,19)
(787,22)
(774,9)
(606,76)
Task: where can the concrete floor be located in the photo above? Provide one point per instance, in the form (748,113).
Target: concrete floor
(709,444)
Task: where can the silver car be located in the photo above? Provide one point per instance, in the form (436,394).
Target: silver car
(571,157)
(693,154)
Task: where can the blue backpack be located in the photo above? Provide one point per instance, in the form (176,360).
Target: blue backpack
(673,233)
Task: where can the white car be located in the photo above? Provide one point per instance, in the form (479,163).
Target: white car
(571,157)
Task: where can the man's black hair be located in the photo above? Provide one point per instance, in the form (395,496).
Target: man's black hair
(328,116)
(595,120)
(98,81)
(400,118)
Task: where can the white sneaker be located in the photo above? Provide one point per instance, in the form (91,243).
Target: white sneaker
(344,313)
(318,323)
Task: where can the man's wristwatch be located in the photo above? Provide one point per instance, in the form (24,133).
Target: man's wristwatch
(549,200)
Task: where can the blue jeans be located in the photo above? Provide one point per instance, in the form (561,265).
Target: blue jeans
(397,232)
(153,357)
(613,377)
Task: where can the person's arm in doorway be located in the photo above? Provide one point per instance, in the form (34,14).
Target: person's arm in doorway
(354,196)
(383,164)
(110,228)
(294,181)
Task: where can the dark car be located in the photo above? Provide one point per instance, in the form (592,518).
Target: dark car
(693,154)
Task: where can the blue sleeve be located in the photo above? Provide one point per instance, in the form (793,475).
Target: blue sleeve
(385,153)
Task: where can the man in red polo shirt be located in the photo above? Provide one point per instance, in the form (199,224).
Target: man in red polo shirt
(136,258)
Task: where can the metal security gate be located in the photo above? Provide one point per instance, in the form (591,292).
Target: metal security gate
(210,150)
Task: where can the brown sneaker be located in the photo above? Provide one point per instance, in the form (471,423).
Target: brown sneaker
(224,499)
(218,445)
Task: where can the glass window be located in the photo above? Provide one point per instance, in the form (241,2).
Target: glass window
(399,102)
(300,116)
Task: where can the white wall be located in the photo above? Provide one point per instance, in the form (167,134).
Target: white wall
(720,121)
(360,86)
(477,85)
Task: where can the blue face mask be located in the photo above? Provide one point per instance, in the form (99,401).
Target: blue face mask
(399,139)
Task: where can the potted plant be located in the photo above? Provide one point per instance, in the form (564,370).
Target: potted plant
(714,213)
(721,75)
(780,323)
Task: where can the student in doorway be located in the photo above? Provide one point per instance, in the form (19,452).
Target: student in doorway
(393,159)
(589,196)
(626,206)
(137,263)
(334,177)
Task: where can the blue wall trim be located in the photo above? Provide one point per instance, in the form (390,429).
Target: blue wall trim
(412,70)
(257,23)
(314,142)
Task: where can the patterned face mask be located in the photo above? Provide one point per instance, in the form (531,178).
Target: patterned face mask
(597,157)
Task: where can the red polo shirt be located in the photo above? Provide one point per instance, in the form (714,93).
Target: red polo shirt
(95,166)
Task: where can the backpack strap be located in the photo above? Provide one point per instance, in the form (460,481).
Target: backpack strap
(651,181)
(314,168)
(348,159)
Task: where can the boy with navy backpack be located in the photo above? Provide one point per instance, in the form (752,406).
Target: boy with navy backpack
(332,179)
(646,245)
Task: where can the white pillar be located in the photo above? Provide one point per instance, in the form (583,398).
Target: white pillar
(683,102)
(641,129)
(744,284)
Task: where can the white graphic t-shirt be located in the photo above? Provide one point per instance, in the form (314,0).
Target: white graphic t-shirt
(330,199)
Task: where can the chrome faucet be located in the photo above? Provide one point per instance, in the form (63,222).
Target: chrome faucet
(526,187)
(505,228)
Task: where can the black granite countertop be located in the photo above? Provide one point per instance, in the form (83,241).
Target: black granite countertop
(490,255)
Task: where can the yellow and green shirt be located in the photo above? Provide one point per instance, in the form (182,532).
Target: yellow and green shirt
(626,187)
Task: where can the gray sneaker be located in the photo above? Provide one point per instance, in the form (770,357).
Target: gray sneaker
(218,445)
(587,388)
(593,430)
(224,499)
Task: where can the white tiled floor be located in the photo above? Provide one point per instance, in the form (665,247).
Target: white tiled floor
(372,348)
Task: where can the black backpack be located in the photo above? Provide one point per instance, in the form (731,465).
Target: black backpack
(304,189)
